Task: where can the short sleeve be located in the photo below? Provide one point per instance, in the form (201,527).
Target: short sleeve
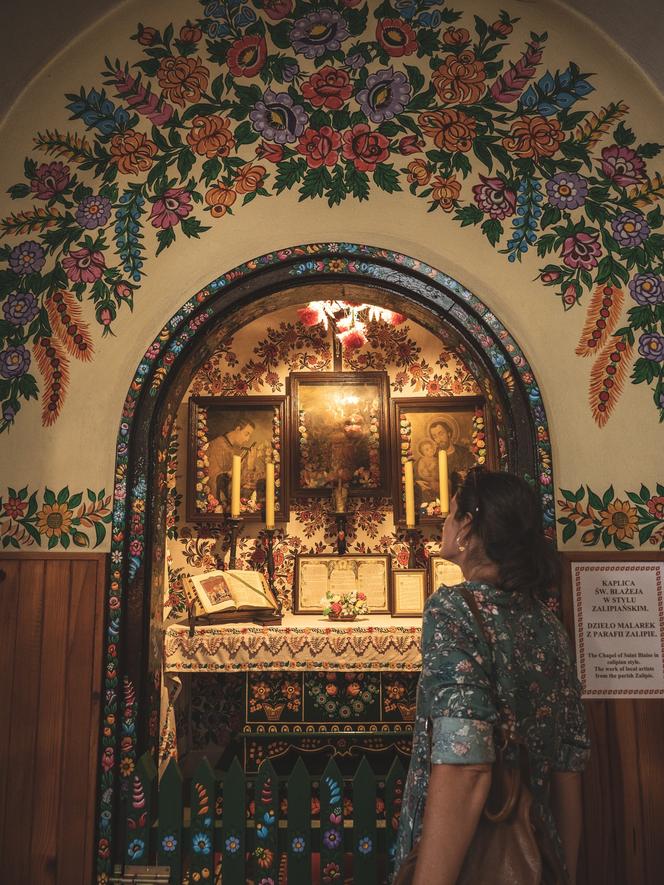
(459,691)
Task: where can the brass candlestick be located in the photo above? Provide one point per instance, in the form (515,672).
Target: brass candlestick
(234,523)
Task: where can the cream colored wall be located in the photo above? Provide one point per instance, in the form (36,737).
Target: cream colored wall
(78,450)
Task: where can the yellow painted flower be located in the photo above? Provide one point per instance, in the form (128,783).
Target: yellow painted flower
(620,519)
(54,519)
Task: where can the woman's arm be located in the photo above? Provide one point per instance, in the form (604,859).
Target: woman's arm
(566,804)
(455,800)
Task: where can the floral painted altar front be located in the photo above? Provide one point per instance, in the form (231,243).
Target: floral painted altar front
(306,686)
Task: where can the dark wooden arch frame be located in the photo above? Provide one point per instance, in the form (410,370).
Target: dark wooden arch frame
(131,688)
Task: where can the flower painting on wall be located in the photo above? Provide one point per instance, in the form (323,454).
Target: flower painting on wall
(340,433)
(221,427)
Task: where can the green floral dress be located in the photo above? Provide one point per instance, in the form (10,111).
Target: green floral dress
(537,688)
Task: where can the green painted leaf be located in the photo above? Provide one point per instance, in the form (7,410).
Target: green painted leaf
(608,497)
(569,531)
(492,230)
(49,497)
(594,500)
(387,178)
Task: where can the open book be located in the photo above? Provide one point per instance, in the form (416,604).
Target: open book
(226,592)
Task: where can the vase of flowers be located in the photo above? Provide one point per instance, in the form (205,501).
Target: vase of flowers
(344,606)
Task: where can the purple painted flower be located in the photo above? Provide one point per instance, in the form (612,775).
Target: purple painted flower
(332,838)
(20,308)
(494,197)
(647,288)
(318,33)
(277,118)
(27,257)
(50,179)
(290,71)
(93,211)
(14,361)
(8,412)
(651,346)
(355,61)
(581,250)
(171,208)
(622,165)
(567,190)
(630,228)
(386,95)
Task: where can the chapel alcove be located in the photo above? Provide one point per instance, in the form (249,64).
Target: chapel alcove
(447,353)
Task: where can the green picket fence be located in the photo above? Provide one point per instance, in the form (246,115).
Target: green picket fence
(264,829)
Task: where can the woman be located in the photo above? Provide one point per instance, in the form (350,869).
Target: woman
(494,533)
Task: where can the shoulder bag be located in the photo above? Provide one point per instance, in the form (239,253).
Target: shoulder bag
(510,846)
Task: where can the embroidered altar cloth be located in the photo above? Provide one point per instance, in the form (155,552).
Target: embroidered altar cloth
(300,642)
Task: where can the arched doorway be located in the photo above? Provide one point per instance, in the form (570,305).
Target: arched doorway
(403,284)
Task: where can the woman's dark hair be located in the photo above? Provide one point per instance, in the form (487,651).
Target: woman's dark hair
(507,518)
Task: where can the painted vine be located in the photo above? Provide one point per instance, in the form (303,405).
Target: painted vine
(332,100)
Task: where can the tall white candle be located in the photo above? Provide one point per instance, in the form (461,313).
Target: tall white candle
(235,486)
(444,483)
(410,494)
(269,495)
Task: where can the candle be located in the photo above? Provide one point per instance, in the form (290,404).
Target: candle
(235,486)
(410,494)
(269,495)
(444,483)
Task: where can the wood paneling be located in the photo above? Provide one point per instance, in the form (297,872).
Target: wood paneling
(50,660)
(623,788)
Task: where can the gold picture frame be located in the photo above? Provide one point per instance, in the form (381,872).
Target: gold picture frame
(442,571)
(409,592)
(315,574)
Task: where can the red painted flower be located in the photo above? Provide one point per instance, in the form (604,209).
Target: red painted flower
(353,339)
(171,208)
(14,507)
(277,9)
(494,197)
(268,151)
(581,250)
(364,148)
(50,179)
(396,37)
(410,144)
(320,147)
(311,315)
(328,88)
(247,56)
(656,506)
(84,265)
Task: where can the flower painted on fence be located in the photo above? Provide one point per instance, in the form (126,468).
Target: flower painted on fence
(298,844)
(135,849)
(169,843)
(60,521)
(330,101)
(201,843)
(365,845)
(619,522)
(232,844)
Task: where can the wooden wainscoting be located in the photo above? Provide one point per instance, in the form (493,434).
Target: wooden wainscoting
(623,789)
(50,677)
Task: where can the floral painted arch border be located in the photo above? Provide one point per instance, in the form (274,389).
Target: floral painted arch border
(157,385)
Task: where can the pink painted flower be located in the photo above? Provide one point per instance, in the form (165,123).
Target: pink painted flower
(108,759)
(622,165)
(171,208)
(655,506)
(494,197)
(84,265)
(581,250)
(50,179)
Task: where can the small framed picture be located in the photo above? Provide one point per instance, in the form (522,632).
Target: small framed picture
(409,592)
(367,573)
(442,571)
(253,427)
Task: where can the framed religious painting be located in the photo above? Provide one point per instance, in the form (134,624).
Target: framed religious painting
(422,427)
(340,433)
(253,427)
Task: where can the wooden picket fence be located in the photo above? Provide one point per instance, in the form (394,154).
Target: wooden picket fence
(265,829)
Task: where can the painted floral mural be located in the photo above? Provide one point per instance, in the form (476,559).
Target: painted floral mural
(334,101)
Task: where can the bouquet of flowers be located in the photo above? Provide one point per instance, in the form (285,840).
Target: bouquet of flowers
(345,605)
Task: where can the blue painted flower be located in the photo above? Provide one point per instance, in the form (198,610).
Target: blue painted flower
(233,844)
(202,843)
(647,288)
(630,228)
(298,844)
(386,94)
(135,849)
(318,33)
(262,831)
(365,845)
(651,346)
(332,838)
(93,211)
(169,843)
(27,257)
(20,308)
(269,817)
(14,361)
(277,118)
(566,190)
(98,112)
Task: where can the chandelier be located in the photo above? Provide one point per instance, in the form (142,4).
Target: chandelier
(348,320)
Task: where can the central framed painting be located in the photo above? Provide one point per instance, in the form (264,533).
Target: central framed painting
(340,433)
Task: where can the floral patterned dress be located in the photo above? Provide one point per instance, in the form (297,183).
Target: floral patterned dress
(536,684)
